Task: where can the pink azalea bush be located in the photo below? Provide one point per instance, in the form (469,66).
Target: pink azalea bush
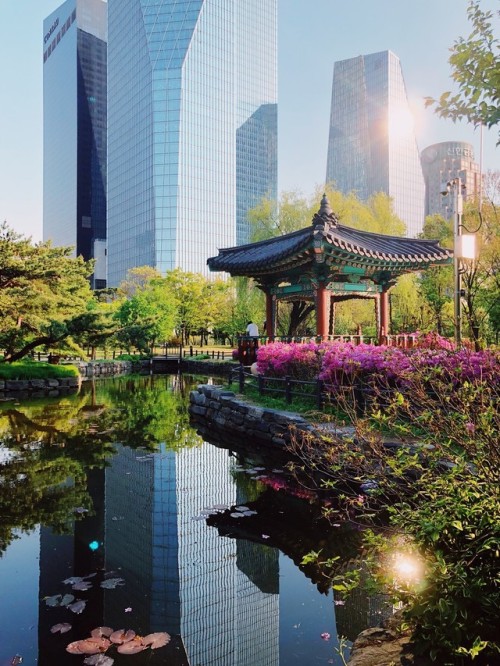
(298,361)
(381,368)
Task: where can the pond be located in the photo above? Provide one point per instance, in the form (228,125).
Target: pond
(110,496)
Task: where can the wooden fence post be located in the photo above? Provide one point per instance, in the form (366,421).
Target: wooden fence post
(241,379)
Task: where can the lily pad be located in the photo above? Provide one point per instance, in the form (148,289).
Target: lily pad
(111,583)
(78,606)
(132,647)
(101,631)
(61,628)
(156,640)
(121,636)
(98,660)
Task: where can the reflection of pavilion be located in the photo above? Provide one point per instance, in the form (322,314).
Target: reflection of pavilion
(327,263)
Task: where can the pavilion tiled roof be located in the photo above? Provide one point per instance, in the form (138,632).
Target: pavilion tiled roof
(405,254)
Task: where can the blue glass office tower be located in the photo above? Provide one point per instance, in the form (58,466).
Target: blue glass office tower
(74,130)
(192,120)
(372,146)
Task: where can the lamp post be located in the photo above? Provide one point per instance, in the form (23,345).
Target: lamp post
(464,248)
(456,185)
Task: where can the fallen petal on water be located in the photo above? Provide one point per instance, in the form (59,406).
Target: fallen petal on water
(325,636)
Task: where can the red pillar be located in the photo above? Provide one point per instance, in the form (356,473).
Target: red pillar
(322,302)
(384,317)
(270,324)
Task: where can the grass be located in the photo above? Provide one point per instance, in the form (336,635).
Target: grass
(36,370)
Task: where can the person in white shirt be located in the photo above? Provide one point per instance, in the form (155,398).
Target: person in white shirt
(252,329)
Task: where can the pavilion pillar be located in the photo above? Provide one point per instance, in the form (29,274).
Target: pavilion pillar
(322,311)
(384,317)
(331,325)
(270,315)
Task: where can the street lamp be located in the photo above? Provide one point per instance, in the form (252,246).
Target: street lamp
(464,249)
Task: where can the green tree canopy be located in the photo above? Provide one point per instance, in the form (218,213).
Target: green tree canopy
(475,63)
(44,291)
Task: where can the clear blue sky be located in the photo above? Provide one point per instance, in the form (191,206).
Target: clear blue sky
(313,34)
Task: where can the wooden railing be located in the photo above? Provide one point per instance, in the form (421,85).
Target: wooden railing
(285,386)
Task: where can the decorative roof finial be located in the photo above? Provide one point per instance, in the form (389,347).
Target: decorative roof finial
(325,216)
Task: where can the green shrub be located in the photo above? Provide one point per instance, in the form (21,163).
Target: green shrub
(36,370)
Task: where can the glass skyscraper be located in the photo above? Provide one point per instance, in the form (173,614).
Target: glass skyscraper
(442,162)
(74,130)
(372,146)
(192,119)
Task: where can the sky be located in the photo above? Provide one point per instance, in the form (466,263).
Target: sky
(312,35)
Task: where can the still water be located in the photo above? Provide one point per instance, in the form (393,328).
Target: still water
(111,497)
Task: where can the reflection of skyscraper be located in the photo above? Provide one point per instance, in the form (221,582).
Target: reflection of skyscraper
(442,162)
(192,127)
(223,610)
(74,130)
(372,146)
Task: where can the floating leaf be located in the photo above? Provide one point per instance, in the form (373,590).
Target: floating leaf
(73,580)
(78,606)
(121,636)
(74,648)
(111,583)
(62,628)
(16,659)
(242,508)
(156,640)
(101,631)
(132,647)
(67,600)
(83,586)
(98,660)
(53,601)
(88,646)
(236,515)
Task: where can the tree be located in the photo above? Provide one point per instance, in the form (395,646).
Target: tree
(43,293)
(147,317)
(475,63)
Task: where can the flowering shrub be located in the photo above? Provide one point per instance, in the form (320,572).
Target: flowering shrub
(379,370)
(433,340)
(298,361)
(457,366)
(346,364)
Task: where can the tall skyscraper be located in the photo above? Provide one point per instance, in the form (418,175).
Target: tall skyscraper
(442,162)
(74,130)
(192,119)
(372,146)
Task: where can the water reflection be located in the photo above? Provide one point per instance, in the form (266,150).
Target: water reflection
(111,482)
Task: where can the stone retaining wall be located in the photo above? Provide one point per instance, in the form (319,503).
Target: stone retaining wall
(35,388)
(108,369)
(206,367)
(218,414)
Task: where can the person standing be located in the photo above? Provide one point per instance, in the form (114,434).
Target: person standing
(252,329)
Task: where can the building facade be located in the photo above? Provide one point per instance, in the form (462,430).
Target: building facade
(372,146)
(74,130)
(192,138)
(442,162)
